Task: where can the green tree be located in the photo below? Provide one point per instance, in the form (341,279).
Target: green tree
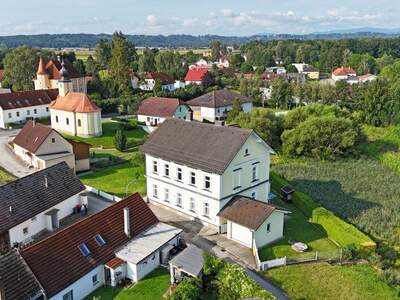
(119,64)
(79,65)
(147,61)
(281,95)
(170,62)
(235,111)
(120,140)
(217,50)
(20,66)
(188,289)
(235,60)
(325,137)
(157,87)
(102,53)
(91,66)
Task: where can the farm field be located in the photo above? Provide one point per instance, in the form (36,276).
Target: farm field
(323,281)
(106,140)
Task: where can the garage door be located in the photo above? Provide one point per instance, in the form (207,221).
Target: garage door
(241,234)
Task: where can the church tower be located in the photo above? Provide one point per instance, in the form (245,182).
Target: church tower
(64,84)
(42,81)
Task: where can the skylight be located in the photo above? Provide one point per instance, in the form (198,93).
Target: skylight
(84,249)
(99,239)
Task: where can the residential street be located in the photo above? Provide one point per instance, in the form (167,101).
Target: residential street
(7,159)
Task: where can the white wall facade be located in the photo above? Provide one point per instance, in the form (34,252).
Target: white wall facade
(20,115)
(59,121)
(210,113)
(84,286)
(222,187)
(263,236)
(150,120)
(38,223)
(82,165)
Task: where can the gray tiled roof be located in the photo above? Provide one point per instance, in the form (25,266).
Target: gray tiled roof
(189,260)
(201,146)
(29,196)
(218,98)
(16,279)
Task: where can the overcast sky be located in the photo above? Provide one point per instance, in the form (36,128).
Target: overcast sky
(223,17)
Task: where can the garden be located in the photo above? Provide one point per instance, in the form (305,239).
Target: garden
(5,177)
(152,287)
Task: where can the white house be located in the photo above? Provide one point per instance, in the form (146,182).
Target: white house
(36,203)
(198,76)
(16,108)
(40,146)
(196,168)
(276,70)
(253,223)
(150,78)
(343,73)
(216,104)
(154,110)
(123,241)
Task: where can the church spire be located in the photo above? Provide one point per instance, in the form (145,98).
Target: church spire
(41,69)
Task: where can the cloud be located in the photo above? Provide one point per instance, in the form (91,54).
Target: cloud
(152,20)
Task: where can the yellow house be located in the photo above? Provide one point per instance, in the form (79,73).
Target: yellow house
(74,113)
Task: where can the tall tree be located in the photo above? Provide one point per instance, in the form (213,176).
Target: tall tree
(119,64)
(102,53)
(281,93)
(20,65)
(217,50)
(147,61)
(170,62)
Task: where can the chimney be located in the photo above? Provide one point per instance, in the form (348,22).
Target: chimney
(127,224)
(10,209)
(46,181)
(59,58)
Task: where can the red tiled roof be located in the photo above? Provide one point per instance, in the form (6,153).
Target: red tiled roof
(53,68)
(32,136)
(27,99)
(114,263)
(343,71)
(1,75)
(159,107)
(75,102)
(57,261)
(164,78)
(197,74)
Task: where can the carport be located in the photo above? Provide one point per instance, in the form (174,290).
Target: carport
(188,263)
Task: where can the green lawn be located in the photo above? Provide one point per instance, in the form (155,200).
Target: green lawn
(152,287)
(106,140)
(5,177)
(323,281)
(115,179)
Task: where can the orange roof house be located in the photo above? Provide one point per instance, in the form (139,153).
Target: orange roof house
(75,102)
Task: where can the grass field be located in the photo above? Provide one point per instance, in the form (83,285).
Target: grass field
(323,281)
(152,287)
(106,140)
(121,179)
(5,177)
(363,192)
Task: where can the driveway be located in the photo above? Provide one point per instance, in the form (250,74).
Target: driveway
(209,240)
(8,160)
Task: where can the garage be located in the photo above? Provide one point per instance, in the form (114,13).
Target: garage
(240,234)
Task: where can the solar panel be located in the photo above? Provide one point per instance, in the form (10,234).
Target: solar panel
(99,239)
(84,249)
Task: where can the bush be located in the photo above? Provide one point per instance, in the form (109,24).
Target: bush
(323,137)
(120,140)
(188,289)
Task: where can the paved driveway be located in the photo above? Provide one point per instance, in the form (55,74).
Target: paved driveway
(8,160)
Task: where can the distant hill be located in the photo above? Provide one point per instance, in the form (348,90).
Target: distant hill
(176,41)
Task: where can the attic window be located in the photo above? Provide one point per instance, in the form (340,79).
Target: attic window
(99,240)
(246,152)
(84,249)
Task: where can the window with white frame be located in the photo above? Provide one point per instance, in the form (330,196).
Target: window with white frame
(236,178)
(28,112)
(17,113)
(206,209)
(53,140)
(67,121)
(269,227)
(166,170)
(179,174)
(47,109)
(254,173)
(192,205)
(155,191)
(192,178)
(246,152)
(79,123)
(207,182)
(35,111)
(254,195)
(56,119)
(9,115)
(179,199)
(166,195)
(95,279)
(155,167)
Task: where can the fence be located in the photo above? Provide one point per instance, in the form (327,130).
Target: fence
(102,194)
(305,257)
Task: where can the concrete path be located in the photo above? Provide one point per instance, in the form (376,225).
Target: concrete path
(8,160)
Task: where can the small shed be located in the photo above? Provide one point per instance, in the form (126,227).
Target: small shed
(287,194)
(187,263)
